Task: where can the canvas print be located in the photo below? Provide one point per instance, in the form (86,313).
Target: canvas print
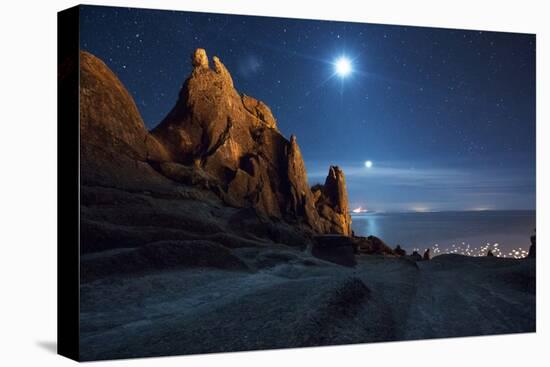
(254,183)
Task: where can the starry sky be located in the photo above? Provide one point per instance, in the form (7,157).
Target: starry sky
(447,117)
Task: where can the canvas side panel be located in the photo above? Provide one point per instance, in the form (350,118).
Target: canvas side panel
(68,183)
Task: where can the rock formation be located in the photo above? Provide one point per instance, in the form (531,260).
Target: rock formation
(115,145)
(216,153)
(234,138)
(398,251)
(331,201)
(371,245)
(335,248)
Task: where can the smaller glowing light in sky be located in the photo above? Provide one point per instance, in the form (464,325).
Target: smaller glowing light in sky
(343,66)
(368,164)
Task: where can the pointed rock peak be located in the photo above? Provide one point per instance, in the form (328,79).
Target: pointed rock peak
(334,173)
(295,155)
(335,187)
(336,193)
(222,70)
(199,58)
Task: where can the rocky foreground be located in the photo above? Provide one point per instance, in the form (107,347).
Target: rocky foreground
(156,301)
(203,235)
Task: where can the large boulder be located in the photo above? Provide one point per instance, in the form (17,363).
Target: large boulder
(372,245)
(334,248)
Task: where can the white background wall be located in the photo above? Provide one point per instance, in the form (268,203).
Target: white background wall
(28,182)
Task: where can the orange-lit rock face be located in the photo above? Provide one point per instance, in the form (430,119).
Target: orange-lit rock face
(331,201)
(114,141)
(230,141)
(235,139)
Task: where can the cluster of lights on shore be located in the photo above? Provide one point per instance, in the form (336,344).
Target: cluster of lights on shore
(467,250)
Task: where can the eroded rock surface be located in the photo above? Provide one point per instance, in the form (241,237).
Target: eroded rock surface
(331,201)
(215,153)
(235,139)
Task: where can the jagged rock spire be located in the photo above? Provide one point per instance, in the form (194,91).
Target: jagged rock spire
(234,138)
(199,59)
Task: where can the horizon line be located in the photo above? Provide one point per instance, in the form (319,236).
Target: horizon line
(439,211)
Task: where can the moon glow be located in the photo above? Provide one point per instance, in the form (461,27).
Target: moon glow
(343,66)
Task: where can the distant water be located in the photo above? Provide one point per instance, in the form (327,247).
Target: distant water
(460,232)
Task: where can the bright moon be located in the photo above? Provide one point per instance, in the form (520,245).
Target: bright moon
(343,66)
(368,164)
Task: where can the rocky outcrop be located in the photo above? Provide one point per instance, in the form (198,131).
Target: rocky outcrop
(331,201)
(234,139)
(335,248)
(115,145)
(371,245)
(216,167)
(108,115)
(398,251)
(301,202)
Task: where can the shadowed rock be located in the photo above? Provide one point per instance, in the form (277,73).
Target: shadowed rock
(159,256)
(334,248)
(398,251)
(371,245)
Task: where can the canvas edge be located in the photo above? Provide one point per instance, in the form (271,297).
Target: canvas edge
(68,184)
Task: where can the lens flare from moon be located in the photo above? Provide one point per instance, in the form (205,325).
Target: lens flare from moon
(343,66)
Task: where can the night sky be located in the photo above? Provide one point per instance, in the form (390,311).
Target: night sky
(447,117)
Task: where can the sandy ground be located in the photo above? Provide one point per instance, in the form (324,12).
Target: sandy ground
(262,298)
